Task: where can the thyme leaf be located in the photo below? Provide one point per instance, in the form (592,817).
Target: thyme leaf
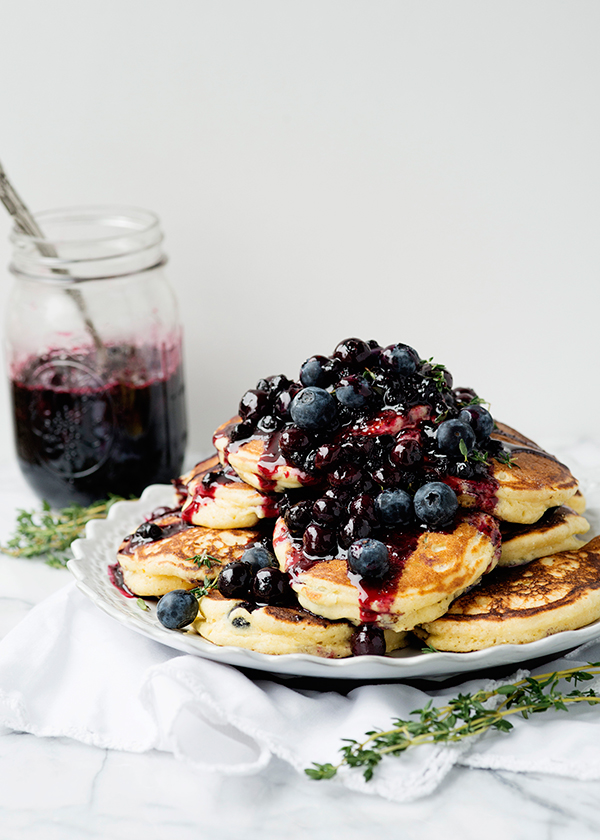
(205,588)
(47,533)
(464,716)
(204,559)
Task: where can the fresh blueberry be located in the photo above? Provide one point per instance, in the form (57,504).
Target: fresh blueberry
(235,580)
(177,609)
(316,372)
(148,532)
(352,352)
(394,508)
(400,358)
(259,557)
(272,586)
(435,503)
(353,392)
(368,640)
(480,420)
(313,408)
(451,433)
(368,558)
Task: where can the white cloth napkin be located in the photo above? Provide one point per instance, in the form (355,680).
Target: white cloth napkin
(69,670)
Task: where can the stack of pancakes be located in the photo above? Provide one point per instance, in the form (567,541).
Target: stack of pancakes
(509,568)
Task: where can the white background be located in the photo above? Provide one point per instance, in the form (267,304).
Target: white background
(424,171)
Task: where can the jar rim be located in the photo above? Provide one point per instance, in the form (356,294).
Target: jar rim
(90,213)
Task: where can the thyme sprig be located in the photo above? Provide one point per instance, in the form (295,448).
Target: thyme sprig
(204,559)
(464,716)
(49,533)
(204,588)
(506,458)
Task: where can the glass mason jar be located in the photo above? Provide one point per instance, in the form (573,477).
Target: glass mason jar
(93,345)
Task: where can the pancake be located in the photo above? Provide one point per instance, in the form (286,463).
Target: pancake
(522,492)
(258,461)
(553,533)
(154,568)
(428,570)
(516,606)
(277,630)
(218,498)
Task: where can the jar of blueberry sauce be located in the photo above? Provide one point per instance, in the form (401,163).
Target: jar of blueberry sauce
(93,347)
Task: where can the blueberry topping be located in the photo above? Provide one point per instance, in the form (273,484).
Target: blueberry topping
(480,420)
(293,442)
(394,508)
(313,408)
(326,511)
(406,453)
(259,557)
(319,541)
(272,586)
(353,392)
(345,474)
(451,433)
(148,532)
(435,504)
(327,454)
(177,609)
(356,528)
(254,404)
(363,506)
(352,352)
(400,358)
(298,517)
(369,558)
(235,580)
(368,640)
(268,424)
(240,622)
(316,372)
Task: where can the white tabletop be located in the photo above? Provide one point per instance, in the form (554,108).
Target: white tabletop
(58,789)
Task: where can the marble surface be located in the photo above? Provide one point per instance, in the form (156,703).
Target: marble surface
(58,789)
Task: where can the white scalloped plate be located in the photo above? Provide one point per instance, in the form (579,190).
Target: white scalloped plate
(96,552)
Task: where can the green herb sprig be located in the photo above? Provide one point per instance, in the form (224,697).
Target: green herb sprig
(507,459)
(464,716)
(204,559)
(50,533)
(205,588)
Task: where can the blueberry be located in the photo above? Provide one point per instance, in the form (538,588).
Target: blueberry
(293,442)
(318,541)
(353,392)
(259,557)
(313,408)
(400,358)
(368,558)
(362,505)
(298,517)
(435,503)
(451,433)
(315,372)
(406,453)
(177,609)
(352,352)
(368,640)
(235,580)
(254,404)
(272,586)
(326,511)
(278,383)
(268,424)
(465,395)
(345,474)
(394,508)
(356,528)
(480,420)
(148,532)
(327,454)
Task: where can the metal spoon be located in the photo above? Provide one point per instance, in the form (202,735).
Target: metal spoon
(26,223)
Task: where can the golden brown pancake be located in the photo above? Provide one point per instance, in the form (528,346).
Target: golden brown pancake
(523,491)
(277,630)
(258,461)
(218,498)
(520,605)
(154,568)
(553,533)
(428,570)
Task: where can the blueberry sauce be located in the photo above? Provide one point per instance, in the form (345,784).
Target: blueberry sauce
(207,485)
(81,436)
(115,575)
